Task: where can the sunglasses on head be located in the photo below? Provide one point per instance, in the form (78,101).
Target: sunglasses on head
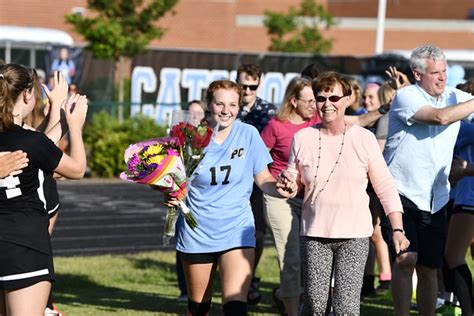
(252,87)
(332,98)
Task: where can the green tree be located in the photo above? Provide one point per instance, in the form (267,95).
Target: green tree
(120,29)
(298,30)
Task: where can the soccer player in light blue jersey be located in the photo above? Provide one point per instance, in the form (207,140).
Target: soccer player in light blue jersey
(218,197)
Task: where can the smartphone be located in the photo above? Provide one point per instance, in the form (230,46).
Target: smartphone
(44,96)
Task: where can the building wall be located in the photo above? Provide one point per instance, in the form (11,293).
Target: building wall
(34,13)
(408,9)
(214,24)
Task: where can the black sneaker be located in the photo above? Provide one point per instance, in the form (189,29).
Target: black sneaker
(368,289)
(278,302)
(384,287)
(254,296)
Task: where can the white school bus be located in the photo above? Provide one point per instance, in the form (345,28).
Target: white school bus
(30,46)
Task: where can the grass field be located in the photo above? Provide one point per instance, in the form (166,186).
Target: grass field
(145,284)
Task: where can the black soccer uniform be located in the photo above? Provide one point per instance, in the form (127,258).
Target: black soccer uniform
(25,248)
(50,187)
(51,194)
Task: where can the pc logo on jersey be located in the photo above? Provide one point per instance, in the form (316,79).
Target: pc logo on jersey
(237,153)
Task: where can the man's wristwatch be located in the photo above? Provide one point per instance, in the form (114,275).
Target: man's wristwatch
(398,230)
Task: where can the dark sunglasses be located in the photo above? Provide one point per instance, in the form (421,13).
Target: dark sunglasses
(252,87)
(333,98)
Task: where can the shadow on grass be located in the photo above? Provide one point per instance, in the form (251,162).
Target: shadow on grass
(379,305)
(264,307)
(157,265)
(81,290)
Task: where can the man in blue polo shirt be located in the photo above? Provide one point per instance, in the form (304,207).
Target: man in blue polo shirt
(423,126)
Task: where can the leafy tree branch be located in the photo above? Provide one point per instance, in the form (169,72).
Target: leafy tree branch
(298,30)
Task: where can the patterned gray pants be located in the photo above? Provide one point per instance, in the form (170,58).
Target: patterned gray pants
(319,255)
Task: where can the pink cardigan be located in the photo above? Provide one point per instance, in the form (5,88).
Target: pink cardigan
(342,209)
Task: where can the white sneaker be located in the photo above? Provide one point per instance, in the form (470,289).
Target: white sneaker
(49,312)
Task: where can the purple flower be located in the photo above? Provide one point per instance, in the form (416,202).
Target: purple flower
(133,163)
(142,174)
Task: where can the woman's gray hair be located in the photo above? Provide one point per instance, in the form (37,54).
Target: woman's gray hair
(421,53)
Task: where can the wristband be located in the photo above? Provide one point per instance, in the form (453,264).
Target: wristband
(398,230)
(383,109)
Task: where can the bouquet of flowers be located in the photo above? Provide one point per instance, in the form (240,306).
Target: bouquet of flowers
(193,140)
(167,164)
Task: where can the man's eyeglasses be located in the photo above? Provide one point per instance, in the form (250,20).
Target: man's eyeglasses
(309,102)
(332,98)
(252,87)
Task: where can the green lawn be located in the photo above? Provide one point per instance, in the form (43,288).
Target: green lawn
(145,284)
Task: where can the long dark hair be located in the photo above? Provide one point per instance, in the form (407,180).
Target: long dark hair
(14,79)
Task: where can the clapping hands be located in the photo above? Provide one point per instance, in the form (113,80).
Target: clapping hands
(58,94)
(76,111)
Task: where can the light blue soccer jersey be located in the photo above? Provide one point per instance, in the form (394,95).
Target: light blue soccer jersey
(219,193)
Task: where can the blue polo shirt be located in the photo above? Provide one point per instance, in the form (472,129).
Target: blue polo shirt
(419,155)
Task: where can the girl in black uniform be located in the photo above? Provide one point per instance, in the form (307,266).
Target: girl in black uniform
(26,269)
(48,118)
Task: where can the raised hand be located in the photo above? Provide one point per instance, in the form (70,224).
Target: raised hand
(399,78)
(57,96)
(76,111)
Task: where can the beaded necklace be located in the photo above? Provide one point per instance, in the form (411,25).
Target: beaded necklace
(333,168)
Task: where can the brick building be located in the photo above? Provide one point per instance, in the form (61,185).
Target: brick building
(236,25)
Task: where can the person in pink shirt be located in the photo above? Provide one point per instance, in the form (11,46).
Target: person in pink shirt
(334,161)
(297,111)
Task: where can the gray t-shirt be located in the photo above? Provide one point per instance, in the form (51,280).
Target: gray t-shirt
(381,131)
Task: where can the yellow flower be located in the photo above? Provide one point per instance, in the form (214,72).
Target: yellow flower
(155,159)
(153,150)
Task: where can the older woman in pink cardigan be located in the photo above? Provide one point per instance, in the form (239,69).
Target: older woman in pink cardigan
(334,161)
